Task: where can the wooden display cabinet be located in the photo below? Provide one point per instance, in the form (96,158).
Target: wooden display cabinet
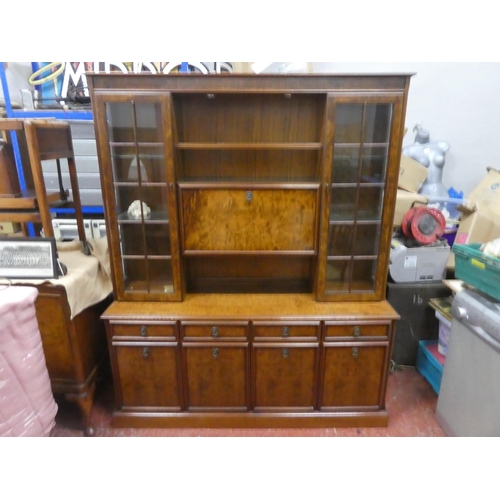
(266,193)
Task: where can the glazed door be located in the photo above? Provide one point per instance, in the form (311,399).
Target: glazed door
(136,162)
(361,165)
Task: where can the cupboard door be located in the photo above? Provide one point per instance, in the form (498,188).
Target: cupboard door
(147,376)
(285,377)
(361,172)
(353,376)
(216,376)
(136,162)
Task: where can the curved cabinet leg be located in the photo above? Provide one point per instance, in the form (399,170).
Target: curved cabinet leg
(85,402)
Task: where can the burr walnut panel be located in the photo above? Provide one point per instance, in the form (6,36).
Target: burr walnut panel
(249,220)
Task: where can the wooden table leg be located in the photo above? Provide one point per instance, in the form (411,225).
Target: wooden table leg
(85,402)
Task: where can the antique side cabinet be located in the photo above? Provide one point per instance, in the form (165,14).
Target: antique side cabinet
(249,224)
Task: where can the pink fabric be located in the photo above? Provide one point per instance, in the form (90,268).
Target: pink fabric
(27,405)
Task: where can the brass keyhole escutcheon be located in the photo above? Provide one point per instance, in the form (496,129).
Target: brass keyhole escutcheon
(215,352)
(286,331)
(144,331)
(357,331)
(145,352)
(355,352)
(285,353)
(249,196)
(215,331)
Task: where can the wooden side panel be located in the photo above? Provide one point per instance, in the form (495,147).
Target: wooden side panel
(54,325)
(217,220)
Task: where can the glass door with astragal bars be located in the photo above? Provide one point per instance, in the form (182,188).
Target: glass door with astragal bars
(136,163)
(361,171)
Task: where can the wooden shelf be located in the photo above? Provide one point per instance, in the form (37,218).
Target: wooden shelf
(250,145)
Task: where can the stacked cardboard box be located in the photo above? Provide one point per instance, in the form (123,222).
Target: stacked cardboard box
(411,177)
(480,219)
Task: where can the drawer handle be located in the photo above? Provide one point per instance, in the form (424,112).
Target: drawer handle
(249,196)
(144,331)
(215,331)
(215,352)
(145,352)
(286,331)
(355,352)
(357,331)
(285,353)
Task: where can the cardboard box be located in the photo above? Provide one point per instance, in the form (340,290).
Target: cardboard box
(9,227)
(411,174)
(404,201)
(480,219)
(486,194)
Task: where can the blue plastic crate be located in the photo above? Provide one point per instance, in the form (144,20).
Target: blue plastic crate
(427,364)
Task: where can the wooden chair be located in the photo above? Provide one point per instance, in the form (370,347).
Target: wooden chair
(40,140)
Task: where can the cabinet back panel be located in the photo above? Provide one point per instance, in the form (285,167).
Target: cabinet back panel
(248,165)
(227,220)
(249,118)
(249,274)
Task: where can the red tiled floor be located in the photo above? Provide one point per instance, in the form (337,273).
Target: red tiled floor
(410,401)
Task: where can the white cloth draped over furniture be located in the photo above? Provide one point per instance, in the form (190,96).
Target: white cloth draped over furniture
(27,405)
(88,280)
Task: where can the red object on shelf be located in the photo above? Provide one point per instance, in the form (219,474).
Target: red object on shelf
(424,224)
(433,349)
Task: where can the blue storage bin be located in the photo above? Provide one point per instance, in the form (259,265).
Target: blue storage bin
(427,364)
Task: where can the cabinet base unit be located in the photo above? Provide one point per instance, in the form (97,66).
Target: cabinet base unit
(250,361)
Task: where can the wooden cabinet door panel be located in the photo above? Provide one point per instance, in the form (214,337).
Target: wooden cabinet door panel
(216,377)
(148,376)
(353,376)
(216,220)
(285,377)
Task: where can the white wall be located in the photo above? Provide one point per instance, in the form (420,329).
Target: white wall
(457,102)
(17,74)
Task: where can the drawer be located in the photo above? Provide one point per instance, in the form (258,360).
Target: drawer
(286,331)
(144,330)
(213,331)
(356,331)
(245,220)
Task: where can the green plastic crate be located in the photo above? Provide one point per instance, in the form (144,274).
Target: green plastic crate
(477,269)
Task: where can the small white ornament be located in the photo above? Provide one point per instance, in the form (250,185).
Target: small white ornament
(134,211)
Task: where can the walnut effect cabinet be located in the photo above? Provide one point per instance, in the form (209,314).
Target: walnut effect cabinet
(250,281)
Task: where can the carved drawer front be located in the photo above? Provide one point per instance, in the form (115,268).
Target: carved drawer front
(249,220)
(357,330)
(212,331)
(144,331)
(286,331)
